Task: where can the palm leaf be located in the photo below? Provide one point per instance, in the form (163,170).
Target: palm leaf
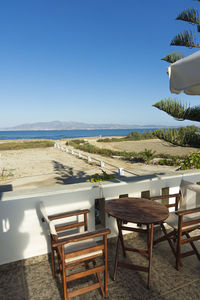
(186,39)
(190,15)
(173,57)
(178,110)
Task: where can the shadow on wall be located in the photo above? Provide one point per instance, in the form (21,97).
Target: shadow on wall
(11,219)
(5,188)
(67,175)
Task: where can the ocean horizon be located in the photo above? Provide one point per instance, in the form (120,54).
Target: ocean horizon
(61,134)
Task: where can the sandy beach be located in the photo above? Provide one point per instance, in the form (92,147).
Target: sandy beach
(32,168)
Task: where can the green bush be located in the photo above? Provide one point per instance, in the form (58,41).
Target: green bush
(132,136)
(137,136)
(93,149)
(78,142)
(191,162)
(172,161)
(108,140)
(182,136)
(104,177)
(147,155)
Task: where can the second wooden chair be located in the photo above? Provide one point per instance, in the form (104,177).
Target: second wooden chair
(184,221)
(78,250)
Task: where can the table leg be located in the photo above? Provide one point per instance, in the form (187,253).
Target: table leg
(120,238)
(116,259)
(119,224)
(150,246)
(148,237)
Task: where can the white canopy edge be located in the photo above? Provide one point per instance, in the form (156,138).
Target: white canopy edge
(184,75)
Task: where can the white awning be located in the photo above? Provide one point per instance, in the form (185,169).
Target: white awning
(184,75)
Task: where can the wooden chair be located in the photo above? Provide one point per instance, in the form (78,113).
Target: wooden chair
(183,221)
(74,251)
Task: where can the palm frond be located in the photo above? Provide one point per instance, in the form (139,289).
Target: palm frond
(173,57)
(186,39)
(179,110)
(190,15)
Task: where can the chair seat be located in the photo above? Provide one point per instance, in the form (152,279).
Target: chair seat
(72,247)
(172,220)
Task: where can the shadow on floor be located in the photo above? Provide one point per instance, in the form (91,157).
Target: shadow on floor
(67,175)
(32,279)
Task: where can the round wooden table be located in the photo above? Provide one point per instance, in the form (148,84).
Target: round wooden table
(139,211)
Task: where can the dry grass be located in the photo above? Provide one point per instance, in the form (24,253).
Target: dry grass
(25,145)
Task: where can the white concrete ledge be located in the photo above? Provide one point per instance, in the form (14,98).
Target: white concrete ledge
(23,235)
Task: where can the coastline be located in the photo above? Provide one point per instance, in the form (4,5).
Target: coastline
(68,133)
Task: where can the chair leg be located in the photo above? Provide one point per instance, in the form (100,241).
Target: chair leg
(168,239)
(101,286)
(53,262)
(106,266)
(178,246)
(99,278)
(164,238)
(193,246)
(150,246)
(64,275)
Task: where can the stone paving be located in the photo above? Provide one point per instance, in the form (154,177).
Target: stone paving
(32,279)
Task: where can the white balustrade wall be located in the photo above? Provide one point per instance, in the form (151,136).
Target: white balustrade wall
(22,233)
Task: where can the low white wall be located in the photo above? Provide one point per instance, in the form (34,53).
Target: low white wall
(23,235)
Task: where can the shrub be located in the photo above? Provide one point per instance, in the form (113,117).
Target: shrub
(137,136)
(173,161)
(182,136)
(147,155)
(132,136)
(192,161)
(93,149)
(104,177)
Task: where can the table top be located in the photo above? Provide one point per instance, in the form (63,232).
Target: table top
(137,210)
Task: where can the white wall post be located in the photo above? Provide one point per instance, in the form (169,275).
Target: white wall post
(102,164)
(121,172)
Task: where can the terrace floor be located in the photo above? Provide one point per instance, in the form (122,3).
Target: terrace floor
(32,278)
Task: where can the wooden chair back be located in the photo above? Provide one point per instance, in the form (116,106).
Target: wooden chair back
(77,250)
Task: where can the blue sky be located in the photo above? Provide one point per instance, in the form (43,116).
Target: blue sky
(94,61)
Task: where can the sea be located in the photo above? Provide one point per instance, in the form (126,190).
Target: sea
(61,134)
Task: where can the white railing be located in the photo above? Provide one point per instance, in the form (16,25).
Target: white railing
(23,235)
(89,159)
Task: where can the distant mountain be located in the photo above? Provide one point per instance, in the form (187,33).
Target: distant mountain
(58,125)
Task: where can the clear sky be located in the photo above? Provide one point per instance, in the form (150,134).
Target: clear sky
(94,61)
